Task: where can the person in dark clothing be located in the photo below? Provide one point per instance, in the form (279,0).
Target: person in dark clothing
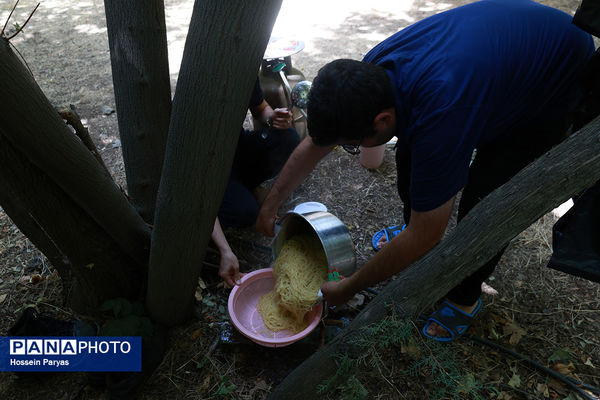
(497,76)
(259,156)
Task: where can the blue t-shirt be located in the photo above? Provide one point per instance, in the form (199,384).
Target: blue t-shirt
(463,78)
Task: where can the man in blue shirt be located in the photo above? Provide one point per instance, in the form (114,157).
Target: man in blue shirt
(499,76)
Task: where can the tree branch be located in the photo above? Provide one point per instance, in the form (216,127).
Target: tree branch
(70,115)
(553,178)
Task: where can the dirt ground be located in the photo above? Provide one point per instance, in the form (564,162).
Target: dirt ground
(544,315)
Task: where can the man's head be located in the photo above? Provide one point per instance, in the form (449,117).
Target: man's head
(345,99)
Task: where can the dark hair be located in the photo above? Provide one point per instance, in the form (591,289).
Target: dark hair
(344,100)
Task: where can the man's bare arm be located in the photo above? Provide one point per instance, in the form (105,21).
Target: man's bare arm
(423,232)
(300,163)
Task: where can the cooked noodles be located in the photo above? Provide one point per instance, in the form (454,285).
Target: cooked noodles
(300,269)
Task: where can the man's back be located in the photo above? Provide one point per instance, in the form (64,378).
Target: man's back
(465,76)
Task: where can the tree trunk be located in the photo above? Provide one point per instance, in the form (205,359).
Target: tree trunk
(13,206)
(220,63)
(74,243)
(137,38)
(33,126)
(567,169)
(60,187)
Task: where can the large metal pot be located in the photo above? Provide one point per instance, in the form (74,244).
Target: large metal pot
(332,234)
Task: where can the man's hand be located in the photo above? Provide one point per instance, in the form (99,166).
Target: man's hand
(229,269)
(265,222)
(296,169)
(336,293)
(281,119)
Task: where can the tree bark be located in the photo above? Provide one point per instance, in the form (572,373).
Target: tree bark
(137,38)
(73,242)
(33,126)
(220,63)
(567,169)
(13,207)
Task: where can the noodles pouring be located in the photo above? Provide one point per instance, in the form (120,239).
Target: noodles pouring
(299,270)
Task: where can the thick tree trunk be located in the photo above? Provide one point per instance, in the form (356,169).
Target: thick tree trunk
(221,58)
(13,206)
(59,186)
(75,244)
(33,126)
(137,37)
(564,171)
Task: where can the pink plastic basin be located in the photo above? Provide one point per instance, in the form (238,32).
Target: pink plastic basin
(242,304)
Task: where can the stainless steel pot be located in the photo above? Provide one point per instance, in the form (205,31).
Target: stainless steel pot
(332,234)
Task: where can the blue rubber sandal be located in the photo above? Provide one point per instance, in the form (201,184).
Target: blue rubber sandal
(454,320)
(389,234)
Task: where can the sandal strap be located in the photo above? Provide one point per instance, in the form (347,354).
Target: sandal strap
(454,320)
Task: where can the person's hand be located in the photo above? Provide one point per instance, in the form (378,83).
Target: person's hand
(336,293)
(229,269)
(265,222)
(281,119)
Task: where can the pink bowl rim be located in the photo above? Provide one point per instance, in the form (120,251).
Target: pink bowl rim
(270,342)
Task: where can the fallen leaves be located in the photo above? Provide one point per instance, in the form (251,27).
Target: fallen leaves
(514,332)
(33,279)
(196,334)
(515,381)
(564,369)
(201,286)
(561,355)
(542,389)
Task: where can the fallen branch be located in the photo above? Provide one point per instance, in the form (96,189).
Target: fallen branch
(553,178)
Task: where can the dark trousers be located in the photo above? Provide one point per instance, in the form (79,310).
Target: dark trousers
(259,156)
(493,166)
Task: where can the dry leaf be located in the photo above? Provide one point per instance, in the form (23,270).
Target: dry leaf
(588,362)
(3,297)
(260,385)
(201,283)
(514,331)
(198,294)
(196,334)
(558,387)
(542,388)
(499,319)
(411,349)
(515,381)
(563,368)
(505,396)
(205,384)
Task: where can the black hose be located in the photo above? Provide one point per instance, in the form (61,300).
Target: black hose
(572,383)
